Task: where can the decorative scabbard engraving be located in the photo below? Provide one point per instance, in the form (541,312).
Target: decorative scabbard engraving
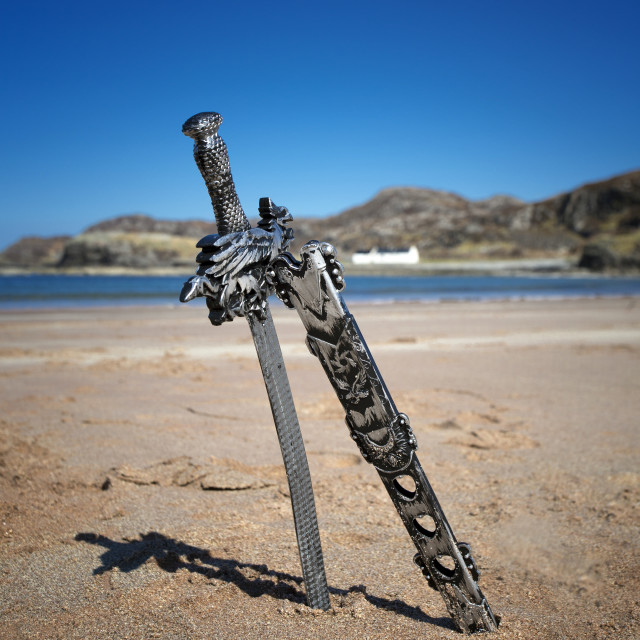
(382,433)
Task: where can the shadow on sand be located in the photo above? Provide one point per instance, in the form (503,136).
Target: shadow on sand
(255,580)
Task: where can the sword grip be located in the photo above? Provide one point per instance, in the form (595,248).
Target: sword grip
(212,158)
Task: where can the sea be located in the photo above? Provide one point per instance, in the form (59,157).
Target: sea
(57,291)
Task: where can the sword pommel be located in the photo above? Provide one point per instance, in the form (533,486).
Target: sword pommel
(212,158)
(202,124)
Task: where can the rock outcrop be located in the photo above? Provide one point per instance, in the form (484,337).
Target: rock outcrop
(129,250)
(33,251)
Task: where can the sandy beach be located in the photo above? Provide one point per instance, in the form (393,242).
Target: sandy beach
(142,493)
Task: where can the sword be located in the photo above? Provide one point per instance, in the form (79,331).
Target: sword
(233,278)
(237,273)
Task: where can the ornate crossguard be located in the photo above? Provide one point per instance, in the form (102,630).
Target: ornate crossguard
(238,270)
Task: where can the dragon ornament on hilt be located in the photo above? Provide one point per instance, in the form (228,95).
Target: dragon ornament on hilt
(234,274)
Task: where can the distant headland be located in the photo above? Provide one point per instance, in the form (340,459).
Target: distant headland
(594,227)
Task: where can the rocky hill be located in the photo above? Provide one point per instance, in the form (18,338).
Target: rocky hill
(35,251)
(602,216)
(141,223)
(135,241)
(597,226)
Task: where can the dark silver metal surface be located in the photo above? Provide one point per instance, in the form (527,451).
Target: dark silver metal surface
(210,153)
(239,269)
(233,273)
(382,433)
(234,277)
(295,459)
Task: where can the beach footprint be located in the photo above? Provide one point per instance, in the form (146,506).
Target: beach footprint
(494,439)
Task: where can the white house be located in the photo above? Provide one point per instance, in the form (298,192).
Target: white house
(387,256)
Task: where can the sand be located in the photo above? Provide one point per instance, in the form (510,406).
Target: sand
(142,493)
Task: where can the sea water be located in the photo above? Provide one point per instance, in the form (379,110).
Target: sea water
(51,291)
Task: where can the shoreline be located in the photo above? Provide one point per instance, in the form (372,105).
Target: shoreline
(436,267)
(77,291)
(162,303)
(523,267)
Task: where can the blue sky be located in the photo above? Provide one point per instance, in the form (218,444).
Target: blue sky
(324,103)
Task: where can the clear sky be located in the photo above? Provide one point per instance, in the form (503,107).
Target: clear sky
(324,103)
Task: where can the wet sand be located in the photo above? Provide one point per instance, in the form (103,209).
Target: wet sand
(142,493)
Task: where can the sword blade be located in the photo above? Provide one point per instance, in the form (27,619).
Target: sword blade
(295,459)
(210,153)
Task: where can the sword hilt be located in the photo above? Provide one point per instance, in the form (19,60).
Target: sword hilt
(212,158)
